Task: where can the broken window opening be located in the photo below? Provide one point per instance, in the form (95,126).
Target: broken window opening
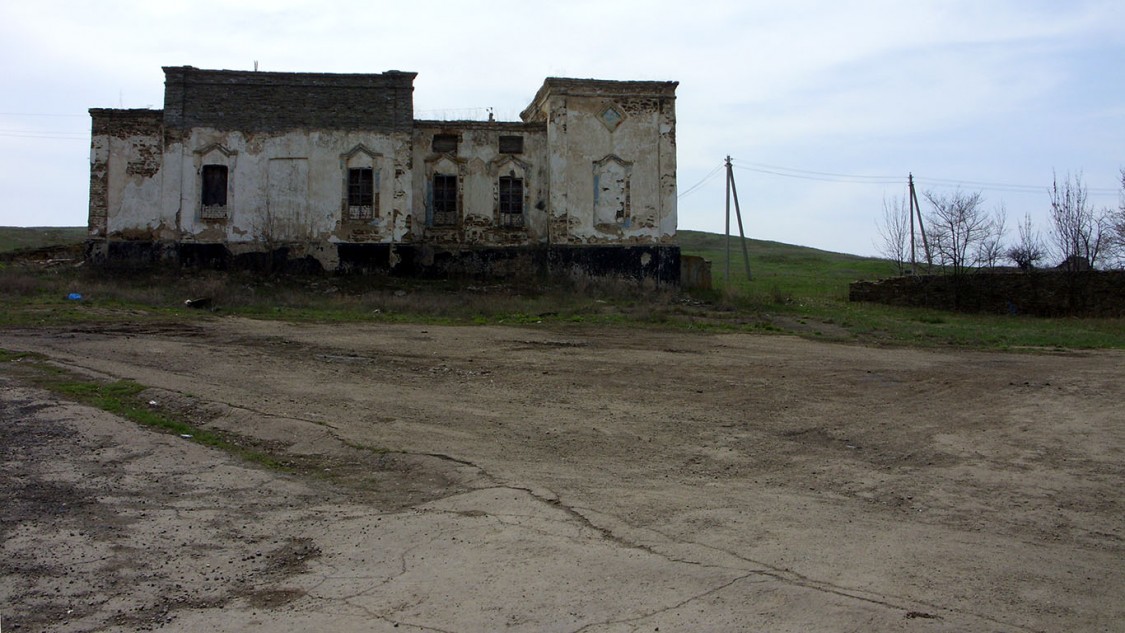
(511,144)
(511,201)
(361,194)
(445,143)
(623,209)
(445,200)
(213,196)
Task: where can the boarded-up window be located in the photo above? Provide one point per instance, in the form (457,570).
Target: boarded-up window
(361,194)
(511,201)
(612,204)
(445,200)
(445,143)
(214,185)
(511,144)
(213,196)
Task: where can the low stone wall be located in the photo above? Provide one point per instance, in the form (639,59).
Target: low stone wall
(695,272)
(1040,293)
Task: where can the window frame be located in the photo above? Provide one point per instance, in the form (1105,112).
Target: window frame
(214,191)
(362,201)
(510,201)
(445,143)
(445,199)
(510,144)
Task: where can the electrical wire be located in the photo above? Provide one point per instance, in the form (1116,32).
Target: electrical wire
(761,168)
(805,174)
(775,169)
(692,189)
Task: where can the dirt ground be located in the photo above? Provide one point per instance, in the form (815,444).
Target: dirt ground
(562,479)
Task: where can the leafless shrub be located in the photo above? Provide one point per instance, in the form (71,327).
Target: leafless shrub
(1029,250)
(1078,230)
(959,229)
(894,232)
(1116,224)
(990,249)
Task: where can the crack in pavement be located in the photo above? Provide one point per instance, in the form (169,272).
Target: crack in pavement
(790,577)
(698,596)
(581,516)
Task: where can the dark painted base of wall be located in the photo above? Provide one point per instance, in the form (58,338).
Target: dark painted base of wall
(657,263)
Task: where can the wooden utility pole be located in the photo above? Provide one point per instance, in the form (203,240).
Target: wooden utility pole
(729,175)
(916,209)
(732,191)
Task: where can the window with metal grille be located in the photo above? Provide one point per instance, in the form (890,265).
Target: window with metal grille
(445,143)
(511,144)
(511,201)
(445,200)
(213,196)
(361,194)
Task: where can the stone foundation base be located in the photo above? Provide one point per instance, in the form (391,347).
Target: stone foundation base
(658,263)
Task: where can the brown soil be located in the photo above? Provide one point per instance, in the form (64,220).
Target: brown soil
(483,478)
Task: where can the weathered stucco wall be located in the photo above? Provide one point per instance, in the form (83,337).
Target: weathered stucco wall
(612,159)
(256,166)
(479,164)
(292,186)
(125,176)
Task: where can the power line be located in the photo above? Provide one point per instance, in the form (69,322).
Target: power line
(805,174)
(866,180)
(702,181)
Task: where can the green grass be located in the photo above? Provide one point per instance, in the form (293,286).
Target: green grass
(805,290)
(794,290)
(782,271)
(123,398)
(23,238)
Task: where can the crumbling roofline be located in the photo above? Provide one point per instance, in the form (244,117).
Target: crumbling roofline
(596,88)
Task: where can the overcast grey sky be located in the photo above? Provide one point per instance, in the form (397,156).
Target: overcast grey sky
(825,106)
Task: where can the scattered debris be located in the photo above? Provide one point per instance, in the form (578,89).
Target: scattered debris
(202,303)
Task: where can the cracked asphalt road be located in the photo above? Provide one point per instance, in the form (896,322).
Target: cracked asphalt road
(565,479)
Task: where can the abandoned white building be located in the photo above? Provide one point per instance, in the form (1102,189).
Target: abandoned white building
(332,172)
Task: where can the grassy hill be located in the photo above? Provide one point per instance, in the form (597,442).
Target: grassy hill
(14,238)
(782,270)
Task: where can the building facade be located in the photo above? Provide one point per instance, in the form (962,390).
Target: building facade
(332,172)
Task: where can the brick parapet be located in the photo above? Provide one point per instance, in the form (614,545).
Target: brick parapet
(252,101)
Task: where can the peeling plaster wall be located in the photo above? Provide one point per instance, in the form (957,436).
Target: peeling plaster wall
(292,186)
(612,159)
(596,161)
(478,163)
(125,176)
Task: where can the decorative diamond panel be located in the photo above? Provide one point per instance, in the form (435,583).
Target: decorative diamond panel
(611,117)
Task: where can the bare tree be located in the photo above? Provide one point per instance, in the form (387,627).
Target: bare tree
(1029,250)
(959,226)
(1116,225)
(1078,230)
(894,232)
(990,250)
